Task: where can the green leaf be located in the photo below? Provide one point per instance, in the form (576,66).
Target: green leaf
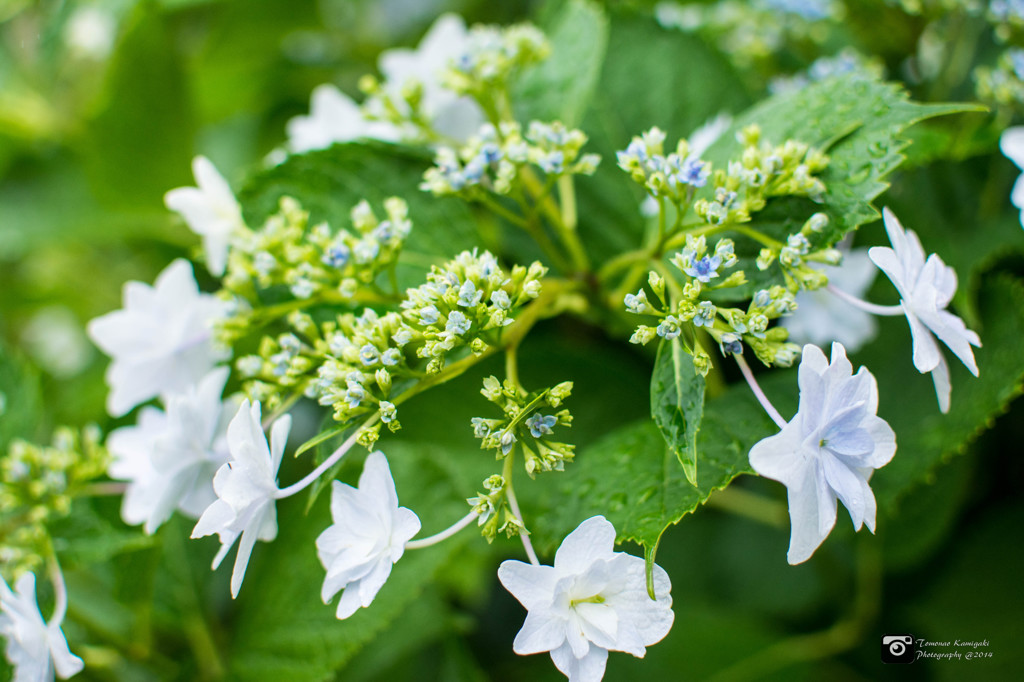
(632,476)
(677,403)
(318,439)
(329,182)
(859,121)
(560,87)
(672,65)
(20,399)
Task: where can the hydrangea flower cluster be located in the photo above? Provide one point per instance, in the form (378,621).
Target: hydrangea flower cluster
(675,176)
(491,55)
(315,262)
(352,362)
(526,423)
(763,171)
(37,486)
(493,159)
(797,253)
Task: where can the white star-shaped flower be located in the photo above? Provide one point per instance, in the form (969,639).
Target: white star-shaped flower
(828,450)
(452,115)
(169,459)
(367,537)
(333,117)
(161,341)
(210,210)
(1012,145)
(926,287)
(592,601)
(246,489)
(35,648)
(821,317)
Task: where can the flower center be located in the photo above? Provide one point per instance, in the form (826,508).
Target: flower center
(596,599)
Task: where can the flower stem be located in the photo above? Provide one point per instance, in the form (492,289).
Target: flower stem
(513,504)
(873,308)
(445,534)
(758,393)
(327,463)
(60,594)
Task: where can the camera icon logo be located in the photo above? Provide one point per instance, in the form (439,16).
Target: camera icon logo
(898,649)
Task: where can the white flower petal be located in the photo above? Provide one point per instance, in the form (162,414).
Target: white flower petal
(590,668)
(807,519)
(943,387)
(593,540)
(542,631)
(532,586)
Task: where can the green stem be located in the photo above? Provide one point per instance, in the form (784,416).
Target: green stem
(750,506)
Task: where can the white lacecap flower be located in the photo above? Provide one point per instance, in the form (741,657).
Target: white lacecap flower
(161,341)
(36,649)
(821,317)
(169,458)
(926,287)
(210,210)
(451,115)
(592,601)
(1012,145)
(828,450)
(334,117)
(246,489)
(367,537)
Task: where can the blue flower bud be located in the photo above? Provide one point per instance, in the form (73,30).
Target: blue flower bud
(457,323)
(541,425)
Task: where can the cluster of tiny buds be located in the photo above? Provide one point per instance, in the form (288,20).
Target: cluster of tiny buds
(729,327)
(796,254)
(1003,83)
(352,362)
(675,176)
(313,262)
(492,159)
(525,423)
(38,485)
(493,513)
(492,54)
(763,171)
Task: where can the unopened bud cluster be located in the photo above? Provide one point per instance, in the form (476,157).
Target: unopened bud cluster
(38,485)
(762,171)
(795,255)
(356,363)
(529,420)
(492,55)
(729,327)
(493,513)
(1003,84)
(312,262)
(492,160)
(675,176)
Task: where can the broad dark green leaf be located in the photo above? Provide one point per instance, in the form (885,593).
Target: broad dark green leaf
(560,88)
(675,67)
(677,403)
(859,121)
(329,182)
(633,477)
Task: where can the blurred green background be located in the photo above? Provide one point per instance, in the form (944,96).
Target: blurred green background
(102,107)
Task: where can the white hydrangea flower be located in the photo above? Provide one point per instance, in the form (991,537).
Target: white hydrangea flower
(926,288)
(828,450)
(333,117)
(367,537)
(35,648)
(451,115)
(592,601)
(169,459)
(1012,145)
(821,317)
(161,341)
(246,489)
(210,210)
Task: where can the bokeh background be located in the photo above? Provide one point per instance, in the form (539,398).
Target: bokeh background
(103,104)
